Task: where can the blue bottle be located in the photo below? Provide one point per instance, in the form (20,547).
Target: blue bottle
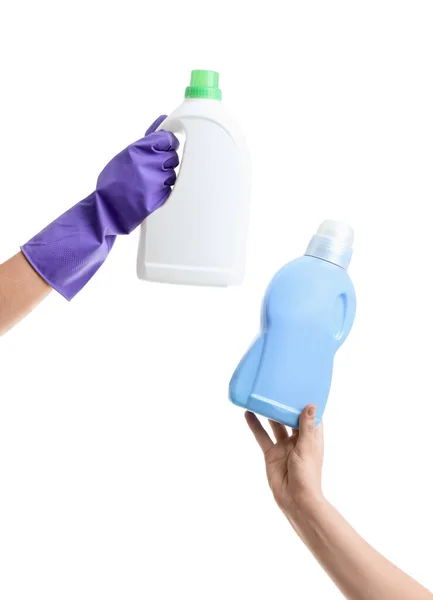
(307,313)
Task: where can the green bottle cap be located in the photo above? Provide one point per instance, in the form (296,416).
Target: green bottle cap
(204,84)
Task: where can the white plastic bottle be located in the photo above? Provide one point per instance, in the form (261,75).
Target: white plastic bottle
(199,235)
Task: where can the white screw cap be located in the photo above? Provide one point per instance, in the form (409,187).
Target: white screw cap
(333,243)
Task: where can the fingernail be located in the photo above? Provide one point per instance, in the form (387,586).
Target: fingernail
(311,411)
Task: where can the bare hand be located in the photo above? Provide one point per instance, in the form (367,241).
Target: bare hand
(294,461)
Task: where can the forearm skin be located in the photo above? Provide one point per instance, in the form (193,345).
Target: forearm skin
(21,289)
(359,571)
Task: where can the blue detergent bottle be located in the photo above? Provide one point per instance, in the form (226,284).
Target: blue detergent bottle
(307,313)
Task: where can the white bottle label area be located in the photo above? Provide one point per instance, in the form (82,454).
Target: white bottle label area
(199,235)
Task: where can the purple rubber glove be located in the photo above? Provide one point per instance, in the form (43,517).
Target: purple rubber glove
(136,182)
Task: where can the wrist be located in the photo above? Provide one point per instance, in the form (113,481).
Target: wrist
(304,506)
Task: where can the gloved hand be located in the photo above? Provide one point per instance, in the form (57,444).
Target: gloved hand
(69,251)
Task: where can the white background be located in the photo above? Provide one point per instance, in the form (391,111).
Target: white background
(124,470)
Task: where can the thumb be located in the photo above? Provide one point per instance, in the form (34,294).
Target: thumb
(156,124)
(307,426)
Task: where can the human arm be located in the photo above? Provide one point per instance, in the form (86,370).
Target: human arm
(293,467)
(21,290)
(69,251)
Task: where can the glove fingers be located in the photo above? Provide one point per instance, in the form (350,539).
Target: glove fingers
(164,141)
(158,141)
(172,161)
(171,179)
(155,124)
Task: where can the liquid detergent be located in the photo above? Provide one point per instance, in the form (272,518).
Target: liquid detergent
(308,311)
(199,235)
